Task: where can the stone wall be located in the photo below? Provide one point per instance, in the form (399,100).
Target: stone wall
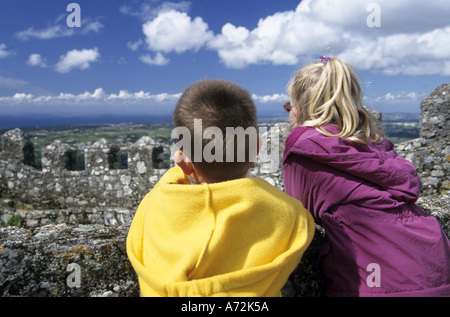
(37,261)
(40,262)
(430,153)
(103,193)
(101,184)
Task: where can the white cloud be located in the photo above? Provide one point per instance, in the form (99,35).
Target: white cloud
(98,97)
(3,52)
(80,59)
(123,97)
(22,97)
(340,28)
(100,100)
(275,98)
(414,37)
(12,82)
(425,53)
(43,34)
(158,60)
(134,46)
(36,60)
(59,28)
(148,10)
(406,98)
(174,31)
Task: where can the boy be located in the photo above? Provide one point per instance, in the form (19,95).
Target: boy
(226,235)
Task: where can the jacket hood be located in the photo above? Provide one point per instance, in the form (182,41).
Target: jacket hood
(243,237)
(376,163)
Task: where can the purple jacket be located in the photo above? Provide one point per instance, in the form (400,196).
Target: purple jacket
(378,242)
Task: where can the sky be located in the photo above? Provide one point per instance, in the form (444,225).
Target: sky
(117,57)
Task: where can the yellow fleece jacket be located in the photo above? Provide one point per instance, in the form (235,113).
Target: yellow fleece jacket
(237,238)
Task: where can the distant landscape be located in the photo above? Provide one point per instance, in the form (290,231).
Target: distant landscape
(401,127)
(398,128)
(39,120)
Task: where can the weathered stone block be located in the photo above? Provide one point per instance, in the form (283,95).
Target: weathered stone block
(140,156)
(17,147)
(435,117)
(39,263)
(58,157)
(102,156)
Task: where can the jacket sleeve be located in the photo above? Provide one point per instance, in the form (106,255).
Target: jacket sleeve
(319,187)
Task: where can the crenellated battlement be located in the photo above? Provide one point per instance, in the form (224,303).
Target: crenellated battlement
(101,183)
(104,183)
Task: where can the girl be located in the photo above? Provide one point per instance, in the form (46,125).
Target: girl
(378,242)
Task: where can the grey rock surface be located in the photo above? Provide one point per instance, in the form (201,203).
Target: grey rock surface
(66,261)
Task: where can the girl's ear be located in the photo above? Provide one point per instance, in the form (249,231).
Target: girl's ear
(183,162)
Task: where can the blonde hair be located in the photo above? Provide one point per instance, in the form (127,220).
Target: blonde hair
(330,94)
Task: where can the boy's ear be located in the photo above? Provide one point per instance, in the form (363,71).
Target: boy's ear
(183,162)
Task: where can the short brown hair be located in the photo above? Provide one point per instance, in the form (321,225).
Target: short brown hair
(222,104)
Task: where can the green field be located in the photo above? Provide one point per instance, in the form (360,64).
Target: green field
(118,134)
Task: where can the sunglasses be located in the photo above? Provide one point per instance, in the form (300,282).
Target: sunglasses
(287,106)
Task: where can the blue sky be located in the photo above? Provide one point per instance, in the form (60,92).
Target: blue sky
(136,57)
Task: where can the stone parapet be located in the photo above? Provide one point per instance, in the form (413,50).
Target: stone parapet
(102,183)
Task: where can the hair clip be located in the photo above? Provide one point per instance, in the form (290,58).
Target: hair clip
(324,59)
